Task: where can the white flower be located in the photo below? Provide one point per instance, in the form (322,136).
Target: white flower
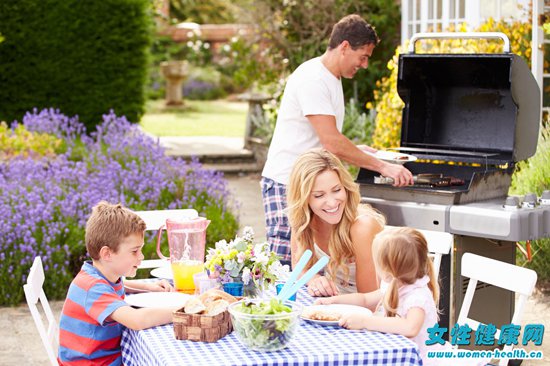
(260,255)
(241,256)
(246,275)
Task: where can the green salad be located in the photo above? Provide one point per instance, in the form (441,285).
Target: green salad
(263,325)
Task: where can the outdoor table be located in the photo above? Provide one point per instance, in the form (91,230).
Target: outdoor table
(313,344)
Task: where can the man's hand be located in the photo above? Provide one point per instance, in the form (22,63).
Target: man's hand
(401,175)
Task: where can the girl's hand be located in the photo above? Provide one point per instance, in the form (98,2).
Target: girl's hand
(161,286)
(353,321)
(321,286)
(323,301)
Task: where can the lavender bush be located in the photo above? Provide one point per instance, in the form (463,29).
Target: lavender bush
(44,203)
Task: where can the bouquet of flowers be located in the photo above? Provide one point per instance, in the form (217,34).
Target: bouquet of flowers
(243,261)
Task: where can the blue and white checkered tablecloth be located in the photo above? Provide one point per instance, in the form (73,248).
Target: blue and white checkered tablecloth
(312,344)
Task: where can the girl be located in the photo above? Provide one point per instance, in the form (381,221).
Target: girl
(324,216)
(408,294)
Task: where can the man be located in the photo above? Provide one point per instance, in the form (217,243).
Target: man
(311,115)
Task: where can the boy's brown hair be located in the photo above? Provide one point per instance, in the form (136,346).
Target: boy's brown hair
(108,225)
(355,30)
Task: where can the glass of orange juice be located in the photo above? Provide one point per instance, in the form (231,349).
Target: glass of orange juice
(183,272)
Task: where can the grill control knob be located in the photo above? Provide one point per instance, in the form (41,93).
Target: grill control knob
(511,203)
(530,200)
(545,198)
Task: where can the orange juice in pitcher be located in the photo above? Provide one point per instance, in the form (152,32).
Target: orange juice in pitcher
(186,239)
(183,272)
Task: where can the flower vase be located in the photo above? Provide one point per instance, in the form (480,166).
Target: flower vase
(251,290)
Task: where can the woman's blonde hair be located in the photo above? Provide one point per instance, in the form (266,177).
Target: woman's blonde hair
(403,253)
(302,178)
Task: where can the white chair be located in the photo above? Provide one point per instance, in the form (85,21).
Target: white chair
(500,274)
(34,293)
(155,219)
(439,244)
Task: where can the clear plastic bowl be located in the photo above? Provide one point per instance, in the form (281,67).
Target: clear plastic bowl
(265,332)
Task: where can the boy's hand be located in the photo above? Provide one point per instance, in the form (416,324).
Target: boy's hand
(353,321)
(161,286)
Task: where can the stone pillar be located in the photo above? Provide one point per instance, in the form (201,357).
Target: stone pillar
(256,103)
(175,73)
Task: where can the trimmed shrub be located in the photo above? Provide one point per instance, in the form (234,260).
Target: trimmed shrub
(84,57)
(44,203)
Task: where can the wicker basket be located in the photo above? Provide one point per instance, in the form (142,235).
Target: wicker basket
(201,328)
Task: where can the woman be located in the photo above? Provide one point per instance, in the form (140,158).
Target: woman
(324,216)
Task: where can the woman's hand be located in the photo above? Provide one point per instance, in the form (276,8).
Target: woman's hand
(322,286)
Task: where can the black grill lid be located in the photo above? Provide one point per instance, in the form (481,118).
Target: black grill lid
(482,108)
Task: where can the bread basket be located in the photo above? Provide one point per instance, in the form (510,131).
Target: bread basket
(201,328)
(204,319)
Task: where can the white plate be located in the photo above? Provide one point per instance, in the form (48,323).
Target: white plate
(393,157)
(157,299)
(334,308)
(163,272)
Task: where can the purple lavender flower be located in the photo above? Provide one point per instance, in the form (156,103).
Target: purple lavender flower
(44,203)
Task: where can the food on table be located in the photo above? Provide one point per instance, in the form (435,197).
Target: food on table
(324,315)
(215,294)
(212,302)
(265,325)
(194,306)
(216,307)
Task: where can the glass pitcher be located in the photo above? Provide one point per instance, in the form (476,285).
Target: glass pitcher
(186,241)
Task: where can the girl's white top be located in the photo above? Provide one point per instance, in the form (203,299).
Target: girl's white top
(419,295)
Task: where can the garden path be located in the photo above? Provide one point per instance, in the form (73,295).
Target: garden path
(21,345)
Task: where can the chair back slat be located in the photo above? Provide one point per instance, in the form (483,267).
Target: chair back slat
(34,293)
(500,274)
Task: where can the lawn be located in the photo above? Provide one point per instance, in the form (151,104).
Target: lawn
(196,118)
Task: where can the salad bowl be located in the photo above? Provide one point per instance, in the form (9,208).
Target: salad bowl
(265,325)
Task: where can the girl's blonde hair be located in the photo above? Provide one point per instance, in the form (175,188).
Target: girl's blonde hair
(302,178)
(403,253)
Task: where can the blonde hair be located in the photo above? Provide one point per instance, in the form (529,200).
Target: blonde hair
(108,225)
(302,178)
(403,253)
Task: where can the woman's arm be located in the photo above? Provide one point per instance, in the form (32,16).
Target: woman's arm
(369,300)
(409,326)
(318,285)
(362,232)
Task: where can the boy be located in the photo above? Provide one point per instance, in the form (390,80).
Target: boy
(95,311)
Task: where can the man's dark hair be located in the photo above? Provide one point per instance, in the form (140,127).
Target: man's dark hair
(355,30)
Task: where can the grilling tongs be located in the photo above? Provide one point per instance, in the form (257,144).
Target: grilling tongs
(433,180)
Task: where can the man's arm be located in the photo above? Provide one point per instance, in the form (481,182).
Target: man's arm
(344,149)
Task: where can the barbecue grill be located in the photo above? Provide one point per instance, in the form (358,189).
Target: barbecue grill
(470,118)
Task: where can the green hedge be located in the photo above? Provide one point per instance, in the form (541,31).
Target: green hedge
(83,57)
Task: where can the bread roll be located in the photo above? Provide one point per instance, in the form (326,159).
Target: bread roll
(215,294)
(194,306)
(216,307)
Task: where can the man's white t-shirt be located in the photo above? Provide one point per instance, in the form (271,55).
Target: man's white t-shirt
(311,90)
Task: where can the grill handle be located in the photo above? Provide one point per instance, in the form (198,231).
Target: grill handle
(460,35)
